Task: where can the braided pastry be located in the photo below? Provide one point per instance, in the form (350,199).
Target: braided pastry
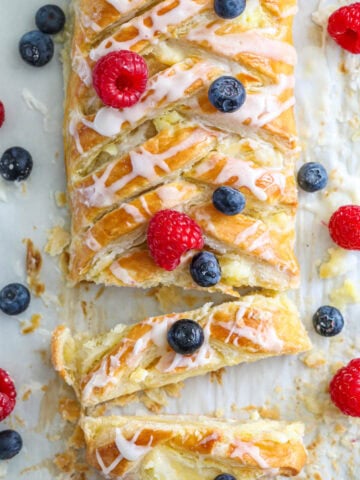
(173,148)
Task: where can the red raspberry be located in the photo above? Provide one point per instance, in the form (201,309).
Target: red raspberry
(345,389)
(344,227)
(120,78)
(170,235)
(344,27)
(2,114)
(7,395)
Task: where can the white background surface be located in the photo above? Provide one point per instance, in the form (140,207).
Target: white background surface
(327,100)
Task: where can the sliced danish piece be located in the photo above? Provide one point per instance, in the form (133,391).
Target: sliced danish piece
(192,448)
(141,356)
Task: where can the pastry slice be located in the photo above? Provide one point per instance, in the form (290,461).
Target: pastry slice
(192,448)
(141,356)
(173,148)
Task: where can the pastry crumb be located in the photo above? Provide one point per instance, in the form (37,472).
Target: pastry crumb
(217,376)
(335,265)
(346,294)
(60,199)
(314,359)
(26,395)
(30,327)
(33,268)
(58,240)
(69,409)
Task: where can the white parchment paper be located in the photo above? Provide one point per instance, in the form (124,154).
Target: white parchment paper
(328,109)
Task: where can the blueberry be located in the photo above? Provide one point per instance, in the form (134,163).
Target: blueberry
(16,164)
(227,94)
(225,476)
(205,269)
(328,321)
(14,299)
(228,200)
(185,337)
(50,19)
(10,444)
(229,8)
(312,177)
(36,48)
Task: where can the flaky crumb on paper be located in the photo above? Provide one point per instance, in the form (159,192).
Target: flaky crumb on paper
(58,240)
(32,326)
(61,199)
(334,265)
(69,409)
(33,268)
(217,376)
(346,294)
(314,359)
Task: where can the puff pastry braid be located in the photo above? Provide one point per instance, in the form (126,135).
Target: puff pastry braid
(192,448)
(138,357)
(173,148)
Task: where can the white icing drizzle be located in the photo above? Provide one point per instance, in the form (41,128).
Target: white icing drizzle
(244,448)
(91,242)
(81,67)
(157,22)
(232,44)
(122,274)
(124,6)
(167,87)
(248,232)
(260,108)
(247,176)
(74,118)
(210,438)
(134,212)
(145,205)
(100,379)
(172,360)
(127,450)
(169,193)
(89,23)
(264,335)
(289,12)
(143,165)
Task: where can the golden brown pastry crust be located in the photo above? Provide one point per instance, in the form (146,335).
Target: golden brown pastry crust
(138,357)
(163,447)
(172,149)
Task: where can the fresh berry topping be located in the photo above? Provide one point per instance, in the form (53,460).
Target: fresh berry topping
(36,48)
(344,27)
(16,164)
(312,177)
(328,321)
(227,94)
(170,235)
(10,444)
(344,227)
(205,269)
(2,114)
(50,19)
(345,389)
(7,395)
(229,8)
(14,299)
(185,337)
(228,200)
(120,78)
(225,476)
